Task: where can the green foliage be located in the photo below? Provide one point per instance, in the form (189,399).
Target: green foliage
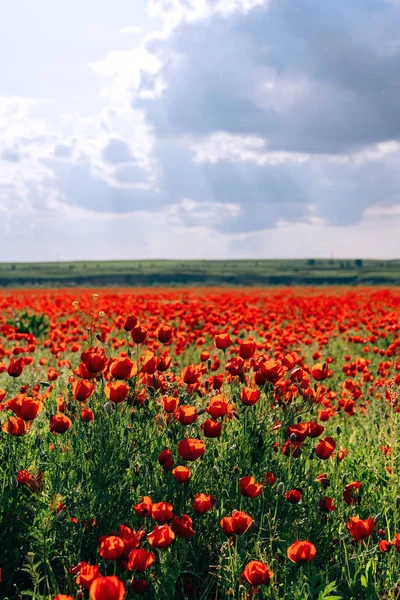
(30,322)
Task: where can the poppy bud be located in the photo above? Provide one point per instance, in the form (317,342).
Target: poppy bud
(108,407)
(61,515)
(79,595)
(280,487)
(293,437)
(338,430)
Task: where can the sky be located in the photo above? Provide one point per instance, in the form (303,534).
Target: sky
(199,129)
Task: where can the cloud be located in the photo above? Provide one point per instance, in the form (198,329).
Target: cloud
(305,77)
(116,151)
(10,155)
(140,235)
(265,127)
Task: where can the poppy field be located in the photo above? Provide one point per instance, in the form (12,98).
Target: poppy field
(200,443)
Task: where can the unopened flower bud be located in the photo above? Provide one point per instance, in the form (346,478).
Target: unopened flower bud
(108,407)
(280,487)
(60,516)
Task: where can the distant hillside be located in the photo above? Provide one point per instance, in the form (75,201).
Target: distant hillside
(201,272)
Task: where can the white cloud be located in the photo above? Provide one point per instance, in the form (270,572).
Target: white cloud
(174,12)
(144,235)
(222,146)
(236,137)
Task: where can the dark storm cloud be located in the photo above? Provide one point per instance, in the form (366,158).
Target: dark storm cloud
(318,78)
(341,57)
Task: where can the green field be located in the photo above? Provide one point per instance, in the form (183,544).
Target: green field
(201,272)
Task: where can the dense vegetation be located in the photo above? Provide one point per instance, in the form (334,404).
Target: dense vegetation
(198,272)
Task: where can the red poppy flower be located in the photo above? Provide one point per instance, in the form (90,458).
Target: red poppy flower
(140,560)
(351,494)
(161,536)
(319,371)
(325,448)
(111,547)
(139,334)
(301,551)
(131,539)
(248,487)
(25,407)
(294,496)
(396,542)
(247,349)
(170,404)
(122,368)
(130,322)
(360,529)
(183,526)
(82,389)
(186,415)
(202,503)
(385,545)
(16,367)
(144,507)
(87,574)
(164,334)
(95,360)
(326,504)
(249,396)
(269,478)
(237,524)
(162,512)
(16,426)
(217,407)
(87,415)
(182,474)
(191,449)
(211,428)
(222,341)
(107,588)
(116,391)
(60,423)
(256,573)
